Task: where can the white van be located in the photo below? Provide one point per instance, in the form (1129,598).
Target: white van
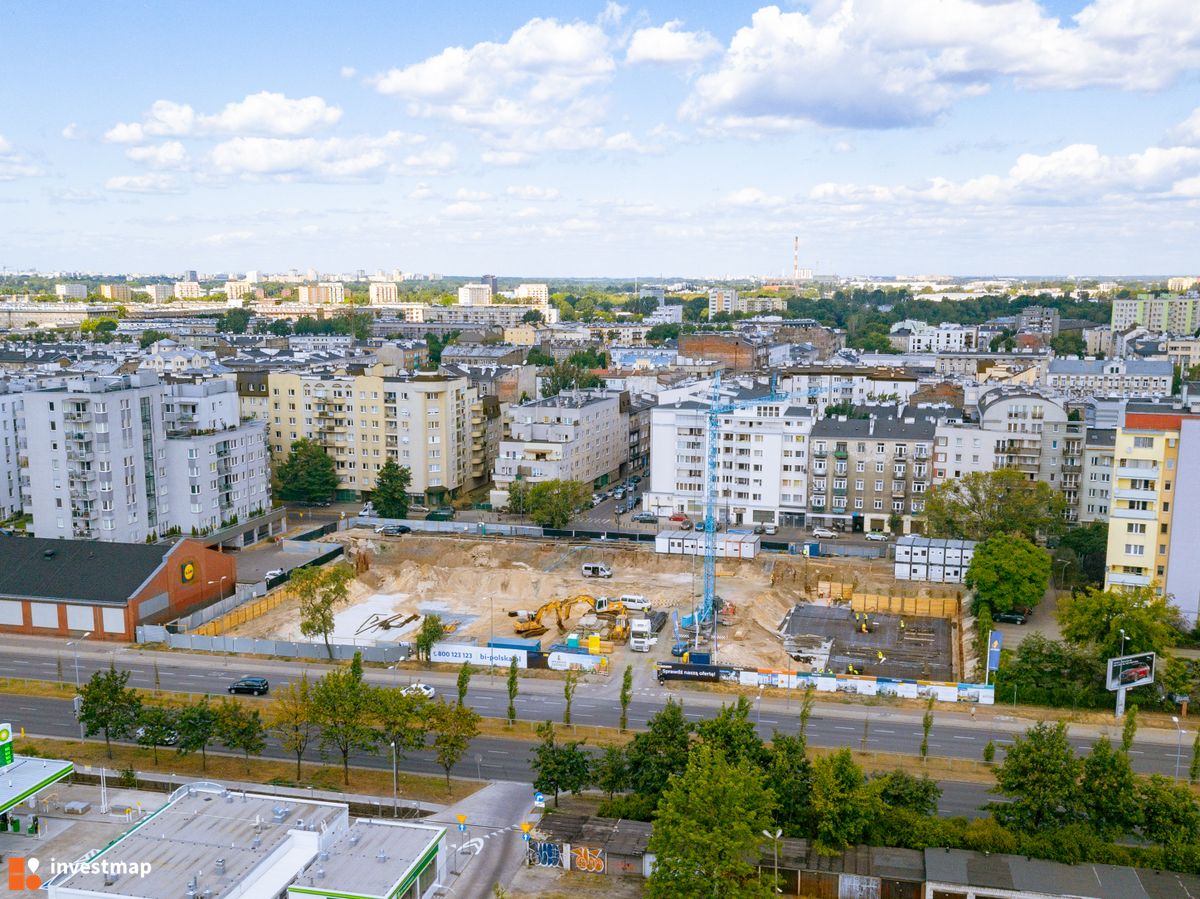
(595,569)
(634,601)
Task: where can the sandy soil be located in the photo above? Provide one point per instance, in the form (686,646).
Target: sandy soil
(475,583)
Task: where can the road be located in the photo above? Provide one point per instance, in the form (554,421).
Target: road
(955,733)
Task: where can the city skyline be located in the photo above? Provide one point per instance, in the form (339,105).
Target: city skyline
(586,140)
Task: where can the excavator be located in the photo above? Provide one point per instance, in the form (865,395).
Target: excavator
(529,624)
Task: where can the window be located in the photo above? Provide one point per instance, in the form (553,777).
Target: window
(1134,549)
(1143,442)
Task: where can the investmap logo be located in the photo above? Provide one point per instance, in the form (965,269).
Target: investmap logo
(23,872)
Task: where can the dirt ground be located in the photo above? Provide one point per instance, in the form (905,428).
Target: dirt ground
(555,883)
(474,583)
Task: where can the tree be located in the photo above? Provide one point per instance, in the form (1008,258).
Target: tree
(707,834)
(626,695)
(1069,343)
(538,357)
(321,591)
(1040,774)
(926,727)
(464,681)
(1106,788)
(290,717)
(901,790)
(983,504)
(1194,767)
(790,774)
(532,317)
(842,806)
(806,707)
(660,334)
(152,336)
(156,727)
(1097,617)
(733,732)
(281,327)
(308,474)
(552,504)
(567,375)
(1089,543)
(197,724)
(659,751)
(390,496)
(342,711)
(558,766)
(1008,572)
(570,682)
(610,771)
(518,497)
(513,686)
(454,727)
(234,321)
(241,729)
(432,630)
(108,704)
(1170,816)
(400,720)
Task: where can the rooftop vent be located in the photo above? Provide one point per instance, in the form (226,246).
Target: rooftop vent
(48,554)
(381,856)
(220,866)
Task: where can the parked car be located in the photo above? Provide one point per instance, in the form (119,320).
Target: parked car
(169,739)
(418,690)
(771,529)
(1014,616)
(595,569)
(646,518)
(597,499)
(444,514)
(274,573)
(255,686)
(878,536)
(824,533)
(619,493)
(760,529)
(393,530)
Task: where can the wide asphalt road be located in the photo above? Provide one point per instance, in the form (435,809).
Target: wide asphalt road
(490,758)
(955,732)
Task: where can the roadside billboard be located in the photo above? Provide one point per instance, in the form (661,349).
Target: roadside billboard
(1125,672)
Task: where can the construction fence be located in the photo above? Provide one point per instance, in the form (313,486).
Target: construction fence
(387,653)
(908,606)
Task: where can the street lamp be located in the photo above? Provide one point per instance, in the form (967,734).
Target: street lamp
(1122,641)
(74,644)
(774,838)
(394,812)
(1178,744)
(758,708)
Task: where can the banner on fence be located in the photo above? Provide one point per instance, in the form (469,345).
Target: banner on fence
(457,653)
(565,661)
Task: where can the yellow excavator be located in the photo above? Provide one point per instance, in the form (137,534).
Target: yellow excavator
(529,624)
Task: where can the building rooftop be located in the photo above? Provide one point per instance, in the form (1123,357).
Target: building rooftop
(26,776)
(76,569)
(371,858)
(1161,368)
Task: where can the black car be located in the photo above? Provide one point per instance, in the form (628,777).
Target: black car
(256,686)
(1013,616)
(393,530)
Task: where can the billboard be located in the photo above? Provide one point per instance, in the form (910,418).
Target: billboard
(1130,671)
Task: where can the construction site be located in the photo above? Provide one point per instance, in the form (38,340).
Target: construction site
(775,611)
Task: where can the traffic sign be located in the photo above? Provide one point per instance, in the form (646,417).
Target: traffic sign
(539,800)
(995,644)
(462,828)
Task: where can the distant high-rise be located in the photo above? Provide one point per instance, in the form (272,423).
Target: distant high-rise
(119,292)
(190,275)
(490,281)
(383,292)
(71,291)
(475,295)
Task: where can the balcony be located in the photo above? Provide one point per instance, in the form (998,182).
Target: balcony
(83,493)
(899,492)
(839,491)
(819,454)
(1132,514)
(81,474)
(1143,495)
(1121,579)
(1146,473)
(77,415)
(841,454)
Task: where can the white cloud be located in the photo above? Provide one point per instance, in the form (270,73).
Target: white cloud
(505,157)
(542,74)
(324,159)
(168,155)
(349,71)
(421,192)
(669,45)
(463,209)
(227,237)
(14,165)
(263,113)
(431,160)
(150,183)
(71,132)
(464,194)
(752,197)
(612,14)
(1187,132)
(532,192)
(900,65)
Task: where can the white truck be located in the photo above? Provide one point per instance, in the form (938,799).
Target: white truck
(641,638)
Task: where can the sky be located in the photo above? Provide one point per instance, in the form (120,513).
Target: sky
(959,137)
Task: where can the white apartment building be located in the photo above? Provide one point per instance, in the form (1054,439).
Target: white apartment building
(1095,487)
(71,291)
(381,292)
(945,338)
(1133,378)
(665,315)
(110,458)
(238,290)
(323,293)
(188,290)
(11,407)
(475,295)
(1165,314)
(1179,285)
(537,294)
(574,436)
(762,456)
(960,449)
(821,385)
(158,293)
(722,299)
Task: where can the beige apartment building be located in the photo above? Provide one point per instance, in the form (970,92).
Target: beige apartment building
(428,423)
(119,293)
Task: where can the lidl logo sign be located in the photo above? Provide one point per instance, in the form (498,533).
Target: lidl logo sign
(22,874)
(188,571)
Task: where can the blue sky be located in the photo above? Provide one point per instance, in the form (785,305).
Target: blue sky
(891,136)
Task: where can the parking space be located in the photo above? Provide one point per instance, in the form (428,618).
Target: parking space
(252,565)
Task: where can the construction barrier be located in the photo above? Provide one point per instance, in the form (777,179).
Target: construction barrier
(908,606)
(243,614)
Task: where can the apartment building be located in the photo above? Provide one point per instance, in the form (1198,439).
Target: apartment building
(1034,434)
(1144,378)
(722,299)
(158,293)
(736,352)
(253,394)
(1095,487)
(381,292)
(946,337)
(11,408)
(1039,320)
(823,385)
(364,419)
(118,293)
(574,436)
(1165,314)
(962,448)
(1182,284)
(322,294)
(238,290)
(71,291)
(1156,473)
(1183,352)
(536,294)
(188,290)
(865,471)
(761,455)
(475,295)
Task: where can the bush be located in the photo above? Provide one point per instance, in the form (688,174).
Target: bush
(632,806)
